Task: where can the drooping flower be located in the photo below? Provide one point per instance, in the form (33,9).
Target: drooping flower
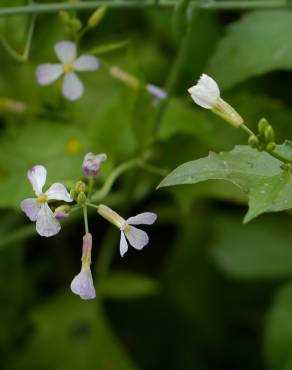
(206,94)
(70,63)
(37,209)
(82,284)
(91,164)
(136,237)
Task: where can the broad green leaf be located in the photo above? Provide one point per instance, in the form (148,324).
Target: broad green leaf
(258,174)
(256,44)
(278,331)
(72,334)
(260,250)
(126,285)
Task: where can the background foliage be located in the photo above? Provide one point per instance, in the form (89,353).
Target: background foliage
(207,292)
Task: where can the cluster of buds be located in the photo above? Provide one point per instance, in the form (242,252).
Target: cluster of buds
(45,209)
(265,139)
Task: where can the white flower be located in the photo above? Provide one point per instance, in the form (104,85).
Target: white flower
(91,164)
(157,94)
(136,237)
(82,284)
(206,94)
(66,53)
(37,209)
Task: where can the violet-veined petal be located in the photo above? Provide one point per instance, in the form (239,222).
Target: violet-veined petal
(46,223)
(48,73)
(136,237)
(37,177)
(65,51)
(123,244)
(82,284)
(58,192)
(72,86)
(31,208)
(86,63)
(146,218)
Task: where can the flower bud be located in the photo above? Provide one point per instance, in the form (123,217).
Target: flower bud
(81,199)
(270,146)
(91,164)
(96,17)
(73,194)
(62,212)
(262,125)
(269,134)
(80,187)
(253,141)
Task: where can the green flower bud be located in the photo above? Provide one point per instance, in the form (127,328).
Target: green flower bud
(262,125)
(253,141)
(270,146)
(80,187)
(65,16)
(75,24)
(269,134)
(73,194)
(81,199)
(96,17)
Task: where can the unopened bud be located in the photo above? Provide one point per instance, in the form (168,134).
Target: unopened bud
(262,125)
(62,212)
(81,199)
(80,187)
(270,146)
(269,134)
(65,16)
(96,17)
(91,164)
(75,24)
(253,141)
(73,194)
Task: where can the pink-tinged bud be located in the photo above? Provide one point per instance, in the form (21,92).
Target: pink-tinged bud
(62,212)
(91,164)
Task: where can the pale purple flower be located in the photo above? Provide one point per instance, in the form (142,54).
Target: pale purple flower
(156,93)
(82,284)
(37,209)
(70,63)
(91,164)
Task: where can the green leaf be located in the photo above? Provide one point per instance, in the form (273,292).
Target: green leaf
(278,331)
(240,55)
(258,174)
(72,334)
(260,250)
(125,285)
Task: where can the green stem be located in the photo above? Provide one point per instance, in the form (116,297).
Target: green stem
(85,216)
(271,152)
(87,5)
(90,187)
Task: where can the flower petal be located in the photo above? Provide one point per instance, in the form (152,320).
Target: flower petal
(136,237)
(37,177)
(58,192)
(82,284)
(206,92)
(157,94)
(65,51)
(48,73)
(123,244)
(31,208)
(146,218)
(72,86)
(86,63)
(46,223)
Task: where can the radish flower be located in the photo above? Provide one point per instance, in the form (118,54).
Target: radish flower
(82,284)
(136,237)
(91,164)
(70,63)
(206,94)
(37,209)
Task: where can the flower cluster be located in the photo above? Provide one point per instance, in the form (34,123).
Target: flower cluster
(47,212)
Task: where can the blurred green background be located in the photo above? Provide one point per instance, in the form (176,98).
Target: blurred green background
(207,292)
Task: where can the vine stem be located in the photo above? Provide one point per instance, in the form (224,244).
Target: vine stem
(88,5)
(271,152)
